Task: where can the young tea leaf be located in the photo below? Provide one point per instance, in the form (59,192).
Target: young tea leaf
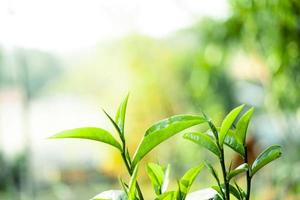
(242,125)
(240,169)
(156,175)
(187,180)
(120,116)
(166,179)
(227,123)
(167,196)
(162,131)
(203,140)
(90,133)
(267,156)
(232,141)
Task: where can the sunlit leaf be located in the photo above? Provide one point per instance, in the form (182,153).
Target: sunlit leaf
(90,133)
(242,125)
(203,140)
(240,169)
(166,179)
(120,116)
(267,156)
(162,131)
(187,180)
(156,175)
(227,123)
(167,196)
(111,195)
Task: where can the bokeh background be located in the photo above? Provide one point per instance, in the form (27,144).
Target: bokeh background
(62,61)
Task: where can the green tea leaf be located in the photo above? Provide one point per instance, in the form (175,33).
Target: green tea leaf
(240,169)
(167,196)
(156,175)
(227,123)
(187,180)
(111,194)
(203,140)
(232,141)
(242,125)
(120,116)
(267,156)
(90,133)
(113,123)
(232,190)
(132,184)
(162,131)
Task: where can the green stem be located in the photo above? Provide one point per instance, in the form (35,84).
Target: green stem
(129,168)
(226,183)
(248,177)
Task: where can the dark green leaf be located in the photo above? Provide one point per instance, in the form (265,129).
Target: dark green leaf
(267,156)
(162,131)
(203,140)
(227,123)
(242,125)
(120,116)
(90,133)
(240,169)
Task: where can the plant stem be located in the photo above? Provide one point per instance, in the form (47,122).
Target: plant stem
(129,168)
(226,183)
(248,177)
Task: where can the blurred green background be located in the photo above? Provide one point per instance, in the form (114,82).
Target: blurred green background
(61,62)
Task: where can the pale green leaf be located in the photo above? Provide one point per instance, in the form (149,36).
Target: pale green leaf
(167,196)
(162,131)
(156,175)
(187,180)
(120,116)
(90,133)
(203,140)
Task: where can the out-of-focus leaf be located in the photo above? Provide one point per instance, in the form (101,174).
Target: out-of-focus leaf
(162,131)
(187,180)
(120,116)
(167,196)
(240,190)
(227,123)
(267,156)
(232,141)
(202,194)
(111,195)
(123,185)
(232,190)
(132,184)
(203,140)
(240,169)
(156,175)
(242,125)
(90,133)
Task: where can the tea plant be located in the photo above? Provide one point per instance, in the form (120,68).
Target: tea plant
(155,135)
(159,177)
(233,136)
